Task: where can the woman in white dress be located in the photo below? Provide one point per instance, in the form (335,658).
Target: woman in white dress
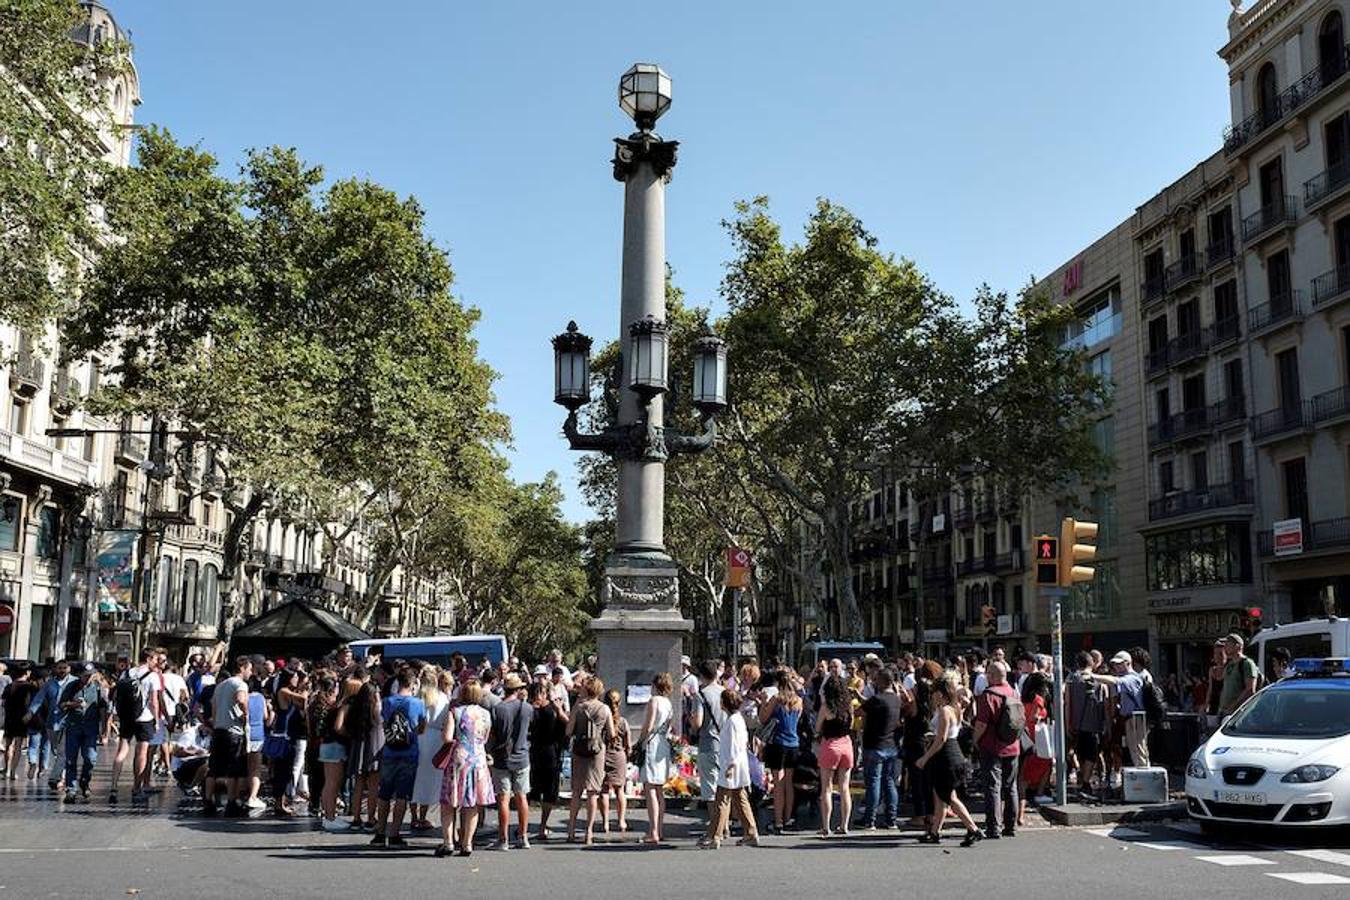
(427,786)
(733,777)
(655,739)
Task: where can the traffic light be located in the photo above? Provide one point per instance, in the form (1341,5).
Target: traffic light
(1250,620)
(1046,550)
(1070,534)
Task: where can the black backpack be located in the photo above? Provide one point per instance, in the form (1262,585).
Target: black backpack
(398,732)
(1011,720)
(127,700)
(1155,708)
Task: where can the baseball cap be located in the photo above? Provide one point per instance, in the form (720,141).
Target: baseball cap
(1122,658)
(1234,639)
(88,667)
(541,670)
(871,657)
(684,660)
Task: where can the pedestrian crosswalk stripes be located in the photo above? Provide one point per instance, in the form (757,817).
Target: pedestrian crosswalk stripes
(1158,839)
(1310,877)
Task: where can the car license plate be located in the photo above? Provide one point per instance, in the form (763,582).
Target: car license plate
(1243,797)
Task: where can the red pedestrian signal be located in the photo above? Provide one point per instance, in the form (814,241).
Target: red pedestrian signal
(1046,549)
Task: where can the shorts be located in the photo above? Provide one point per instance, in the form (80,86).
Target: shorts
(332,752)
(778,758)
(396,779)
(160,736)
(507,782)
(136,731)
(836,753)
(228,758)
(255,746)
(1087,746)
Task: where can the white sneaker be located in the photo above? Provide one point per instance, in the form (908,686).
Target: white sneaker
(524,843)
(500,845)
(255,803)
(336,825)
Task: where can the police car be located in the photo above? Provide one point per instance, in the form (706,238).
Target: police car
(1283,758)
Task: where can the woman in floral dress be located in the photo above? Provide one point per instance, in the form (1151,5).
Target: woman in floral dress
(468,783)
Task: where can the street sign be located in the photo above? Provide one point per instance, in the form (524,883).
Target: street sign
(739,564)
(6,619)
(1005,625)
(1287,537)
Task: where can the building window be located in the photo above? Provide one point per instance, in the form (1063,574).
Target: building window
(1096,599)
(1104,435)
(18,416)
(1105,514)
(1198,557)
(1100,365)
(1167,481)
(90,447)
(1099,320)
(1267,94)
(187,607)
(1331,47)
(10,510)
(49,533)
(165,589)
(1295,474)
(209,595)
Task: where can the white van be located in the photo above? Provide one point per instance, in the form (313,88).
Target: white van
(1313,639)
(437,650)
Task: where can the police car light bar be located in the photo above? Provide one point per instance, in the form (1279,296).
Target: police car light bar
(1314,666)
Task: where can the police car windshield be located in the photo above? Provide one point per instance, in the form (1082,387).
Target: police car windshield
(1300,710)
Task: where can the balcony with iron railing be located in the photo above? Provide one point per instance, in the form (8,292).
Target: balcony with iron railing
(1008,562)
(1186,347)
(1190,423)
(28,373)
(1326,534)
(963,516)
(1283,309)
(1182,272)
(1213,497)
(1327,185)
(1155,360)
(131,449)
(1280,212)
(1282,420)
(1220,251)
(65,390)
(1332,406)
(1153,289)
(1287,101)
(1331,287)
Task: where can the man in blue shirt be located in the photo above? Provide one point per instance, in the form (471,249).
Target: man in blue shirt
(84,704)
(405,717)
(47,706)
(1129,685)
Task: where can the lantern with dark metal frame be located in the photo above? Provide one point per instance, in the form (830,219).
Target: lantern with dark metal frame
(648,357)
(571,368)
(644,94)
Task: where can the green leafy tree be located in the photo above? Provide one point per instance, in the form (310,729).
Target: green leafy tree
(860,362)
(53,105)
(308,333)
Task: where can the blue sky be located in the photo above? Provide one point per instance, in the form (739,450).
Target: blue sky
(988,141)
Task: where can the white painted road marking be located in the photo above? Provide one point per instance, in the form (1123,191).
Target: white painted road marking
(1310,877)
(1328,856)
(1170,845)
(1236,859)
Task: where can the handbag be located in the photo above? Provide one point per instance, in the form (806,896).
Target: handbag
(445,756)
(1043,742)
(277,745)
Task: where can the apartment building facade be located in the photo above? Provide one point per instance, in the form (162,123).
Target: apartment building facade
(1289,152)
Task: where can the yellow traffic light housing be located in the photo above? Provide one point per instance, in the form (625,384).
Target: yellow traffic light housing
(1073,536)
(1045,550)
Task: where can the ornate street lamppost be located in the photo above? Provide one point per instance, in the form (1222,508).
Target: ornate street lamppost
(640,630)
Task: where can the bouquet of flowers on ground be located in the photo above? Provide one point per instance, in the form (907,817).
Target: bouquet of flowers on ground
(683,781)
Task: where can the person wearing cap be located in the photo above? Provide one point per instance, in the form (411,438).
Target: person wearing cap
(1130,696)
(509,749)
(84,704)
(46,708)
(1239,676)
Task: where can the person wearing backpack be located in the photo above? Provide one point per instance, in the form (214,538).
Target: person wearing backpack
(405,718)
(136,698)
(590,729)
(999,720)
(1087,719)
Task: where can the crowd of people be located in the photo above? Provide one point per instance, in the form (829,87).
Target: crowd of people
(362,745)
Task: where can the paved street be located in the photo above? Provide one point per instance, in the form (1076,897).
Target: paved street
(90,850)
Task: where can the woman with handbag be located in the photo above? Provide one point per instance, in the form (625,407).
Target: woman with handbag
(329,714)
(616,766)
(590,729)
(435,687)
(1035,767)
(944,762)
(779,719)
(655,744)
(467,787)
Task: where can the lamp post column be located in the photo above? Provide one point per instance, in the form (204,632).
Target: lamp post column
(643,163)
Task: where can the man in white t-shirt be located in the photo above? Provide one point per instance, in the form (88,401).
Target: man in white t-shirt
(136,726)
(555,662)
(190,752)
(175,707)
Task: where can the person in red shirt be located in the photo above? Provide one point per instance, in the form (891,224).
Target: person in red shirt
(998,758)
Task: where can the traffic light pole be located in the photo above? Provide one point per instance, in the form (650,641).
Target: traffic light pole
(1056,596)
